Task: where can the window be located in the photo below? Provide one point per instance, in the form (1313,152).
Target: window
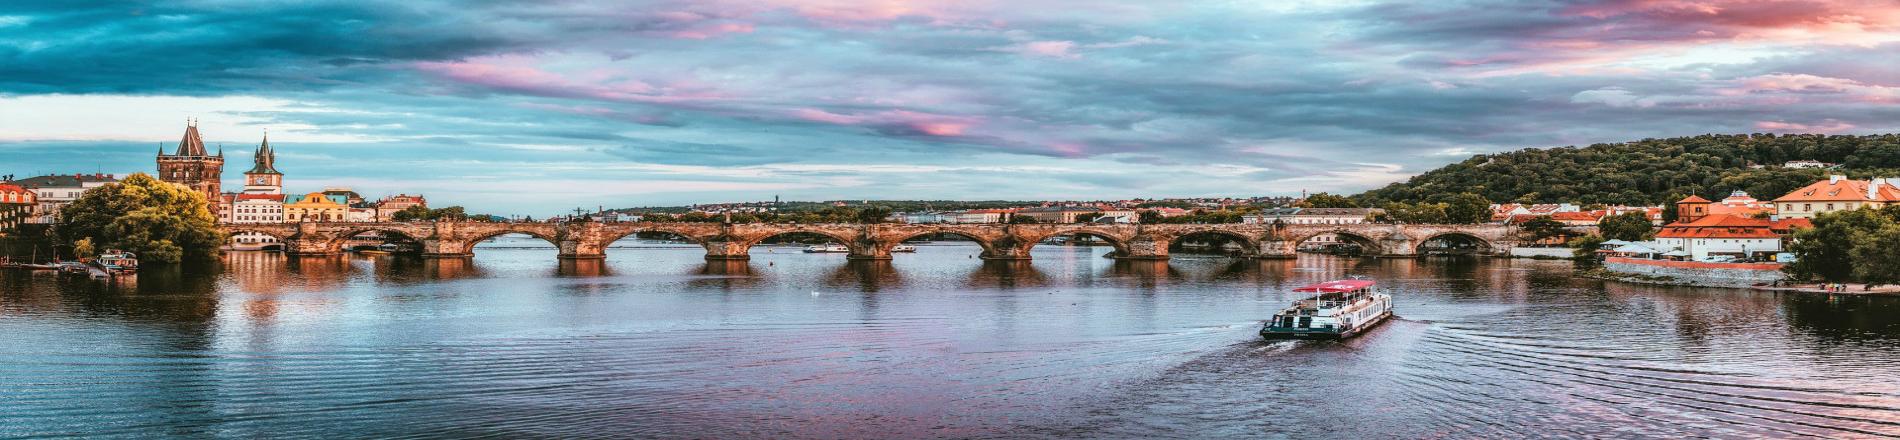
(1805,207)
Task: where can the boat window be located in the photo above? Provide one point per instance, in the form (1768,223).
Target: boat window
(1306,321)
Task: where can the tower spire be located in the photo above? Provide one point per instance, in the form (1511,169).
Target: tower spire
(191,144)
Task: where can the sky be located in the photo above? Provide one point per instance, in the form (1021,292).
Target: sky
(540,107)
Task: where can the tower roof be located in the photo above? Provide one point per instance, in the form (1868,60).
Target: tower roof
(191,144)
(265,160)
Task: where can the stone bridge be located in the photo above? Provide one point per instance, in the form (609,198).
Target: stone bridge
(733,241)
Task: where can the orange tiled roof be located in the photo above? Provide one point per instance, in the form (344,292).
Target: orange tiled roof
(1789,224)
(1720,226)
(1693,199)
(1577,215)
(1844,190)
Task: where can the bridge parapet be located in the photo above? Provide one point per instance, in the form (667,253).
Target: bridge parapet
(590,240)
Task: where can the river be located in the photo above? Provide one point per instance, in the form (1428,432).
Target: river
(656,342)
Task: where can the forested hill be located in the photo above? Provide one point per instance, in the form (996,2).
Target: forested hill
(1650,171)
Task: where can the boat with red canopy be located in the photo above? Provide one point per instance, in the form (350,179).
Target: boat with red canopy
(1339,309)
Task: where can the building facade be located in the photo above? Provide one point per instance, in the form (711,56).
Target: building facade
(1700,234)
(193,167)
(52,193)
(16,206)
(983,216)
(315,207)
(1056,214)
(1838,193)
(387,208)
(1311,216)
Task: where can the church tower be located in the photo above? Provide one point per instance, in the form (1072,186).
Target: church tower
(192,166)
(263,177)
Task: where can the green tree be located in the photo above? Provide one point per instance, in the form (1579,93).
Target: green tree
(873,214)
(1020,219)
(1586,246)
(1149,217)
(161,222)
(452,213)
(1541,228)
(1826,251)
(1877,256)
(84,249)
(1324,200)
(1467,208)
(1629,226)
(411,213)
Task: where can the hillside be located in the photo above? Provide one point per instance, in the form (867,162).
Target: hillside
(1650,171)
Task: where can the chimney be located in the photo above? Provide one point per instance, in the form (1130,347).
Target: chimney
(1835,179)
(1873,188)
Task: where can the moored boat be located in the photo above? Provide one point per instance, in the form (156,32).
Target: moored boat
(117,262)
(1338,310)
(904,248)
(827,249)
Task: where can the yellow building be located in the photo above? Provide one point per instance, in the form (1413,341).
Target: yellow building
(315,207)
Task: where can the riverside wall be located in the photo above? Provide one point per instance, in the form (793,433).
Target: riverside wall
(1699,273)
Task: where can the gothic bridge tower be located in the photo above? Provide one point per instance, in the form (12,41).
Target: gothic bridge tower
(192,166)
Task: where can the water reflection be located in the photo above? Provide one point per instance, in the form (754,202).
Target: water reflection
(583,268)
(657,342)
(1006,275)
(865,276)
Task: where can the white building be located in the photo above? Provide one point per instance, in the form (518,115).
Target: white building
(1311,216)
(982,216)
(55,192)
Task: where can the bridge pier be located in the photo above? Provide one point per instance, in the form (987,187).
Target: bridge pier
(873,252)
(727,250)
(308,247)
(1008,248)
(1145,248)
(1277,250)
(439,248)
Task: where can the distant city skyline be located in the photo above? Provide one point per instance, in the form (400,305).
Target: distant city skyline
(536,109)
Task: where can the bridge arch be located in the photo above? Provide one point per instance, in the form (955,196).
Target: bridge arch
(680,232)
(543,235)
(1249,245)
(337,240)
(989,249)
(850,242)
(1120,243)
(280,234)
(1366,241)
(1484,246)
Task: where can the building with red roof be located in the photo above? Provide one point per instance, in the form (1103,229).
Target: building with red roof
(16,206)
(1838,193)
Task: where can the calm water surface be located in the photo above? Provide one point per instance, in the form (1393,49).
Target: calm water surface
(655,342)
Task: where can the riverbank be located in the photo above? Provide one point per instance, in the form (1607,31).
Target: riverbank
(1851,289)
(1600,273)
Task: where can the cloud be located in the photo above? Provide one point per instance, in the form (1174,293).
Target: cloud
(988,97)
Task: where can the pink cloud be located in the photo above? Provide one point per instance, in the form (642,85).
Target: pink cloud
(1051,49)
(1825,126)
(904,120)
(712,30)
(518,73)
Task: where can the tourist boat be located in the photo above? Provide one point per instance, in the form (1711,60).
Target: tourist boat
(1338,310)
(904,248)
(117,262)
(827,249)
